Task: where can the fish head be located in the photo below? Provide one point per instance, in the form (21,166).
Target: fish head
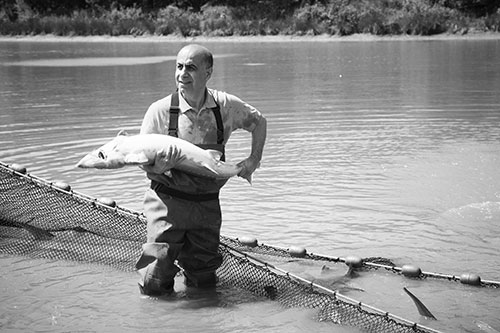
(108,156)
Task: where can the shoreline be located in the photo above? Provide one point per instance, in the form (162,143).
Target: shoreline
(252,39)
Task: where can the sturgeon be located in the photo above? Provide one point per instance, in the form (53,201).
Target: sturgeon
(141,149)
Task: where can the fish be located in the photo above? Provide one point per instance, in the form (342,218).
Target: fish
(141,149)
(36,232)
(422,309)
(335,281)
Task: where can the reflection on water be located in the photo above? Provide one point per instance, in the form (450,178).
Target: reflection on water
(95,61)
(375,149)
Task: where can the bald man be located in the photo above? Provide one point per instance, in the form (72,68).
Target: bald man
(183,211)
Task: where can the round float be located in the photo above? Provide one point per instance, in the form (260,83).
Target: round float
(411,271)
(469,278)
(248,241)
(107,202)
(354,261)
(18,168)
(62,185)
(297,251)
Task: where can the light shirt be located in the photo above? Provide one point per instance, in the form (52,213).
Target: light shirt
(199,127)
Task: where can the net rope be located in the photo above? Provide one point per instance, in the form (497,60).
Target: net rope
(370,263)
(41,219)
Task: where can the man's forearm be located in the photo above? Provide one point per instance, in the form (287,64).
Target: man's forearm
(259,139)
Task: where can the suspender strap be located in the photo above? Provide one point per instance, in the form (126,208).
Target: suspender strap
(160,188)
(173,131)
(220,125)
(174,115)
(173,123)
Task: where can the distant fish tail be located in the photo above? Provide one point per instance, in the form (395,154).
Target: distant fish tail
(422,309)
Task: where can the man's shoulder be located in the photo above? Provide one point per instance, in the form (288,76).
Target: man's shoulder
(224,98)
(162,104)
(165,101)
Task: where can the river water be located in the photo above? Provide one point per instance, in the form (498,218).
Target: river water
(388,148)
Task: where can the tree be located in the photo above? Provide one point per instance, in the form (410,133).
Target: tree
(477,8)
(10,9)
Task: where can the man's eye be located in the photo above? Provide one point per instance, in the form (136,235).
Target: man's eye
(189,68)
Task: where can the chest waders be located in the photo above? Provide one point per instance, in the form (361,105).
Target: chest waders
(173,126)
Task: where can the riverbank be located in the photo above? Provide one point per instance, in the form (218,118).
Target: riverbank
(265,18)
(259,39)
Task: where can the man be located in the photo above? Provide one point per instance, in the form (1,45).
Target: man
(182,210)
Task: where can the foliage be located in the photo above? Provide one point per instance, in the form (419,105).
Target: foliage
(172,20)
(242,17)
(476,8)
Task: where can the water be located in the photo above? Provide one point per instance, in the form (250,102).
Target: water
(384,149)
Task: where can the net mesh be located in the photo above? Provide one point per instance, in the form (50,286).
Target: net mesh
(41,219)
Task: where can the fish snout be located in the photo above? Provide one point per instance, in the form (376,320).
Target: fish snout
(89,161)
(82,163)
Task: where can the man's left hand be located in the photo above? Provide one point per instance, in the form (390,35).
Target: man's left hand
(248,166)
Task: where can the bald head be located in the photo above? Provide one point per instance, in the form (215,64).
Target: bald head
(195,51)
(193,70)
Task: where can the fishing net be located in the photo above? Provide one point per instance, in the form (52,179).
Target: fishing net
(48,220)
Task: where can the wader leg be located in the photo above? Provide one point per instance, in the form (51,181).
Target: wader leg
(157,269)
(200,258)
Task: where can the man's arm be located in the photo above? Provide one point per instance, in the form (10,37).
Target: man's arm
(250,164)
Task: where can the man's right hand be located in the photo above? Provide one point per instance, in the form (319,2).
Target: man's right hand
(165,161)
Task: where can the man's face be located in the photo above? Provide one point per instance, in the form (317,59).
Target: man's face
(191,74)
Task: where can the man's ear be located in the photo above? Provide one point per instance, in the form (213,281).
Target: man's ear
(209,73)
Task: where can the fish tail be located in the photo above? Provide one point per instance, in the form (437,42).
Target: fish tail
(422,309)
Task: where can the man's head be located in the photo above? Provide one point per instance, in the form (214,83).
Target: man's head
(193,69)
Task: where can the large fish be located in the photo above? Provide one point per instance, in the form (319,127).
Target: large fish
(141,149)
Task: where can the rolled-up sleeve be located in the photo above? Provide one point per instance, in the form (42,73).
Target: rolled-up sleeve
(242,115)
(155,120)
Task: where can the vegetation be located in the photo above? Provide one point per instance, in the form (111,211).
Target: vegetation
(243,17)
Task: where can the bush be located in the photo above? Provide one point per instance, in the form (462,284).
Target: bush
(420,18)
(371,20)
(346,20)
(267,17)
(172,20)
(492,22)
(217,21)
(311,19)
(128,21)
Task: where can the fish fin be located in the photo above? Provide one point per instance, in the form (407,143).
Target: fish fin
(122,133)
(208,167)
(422,309)
(249,179)
(216,155)
(138,159)
(351,272)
